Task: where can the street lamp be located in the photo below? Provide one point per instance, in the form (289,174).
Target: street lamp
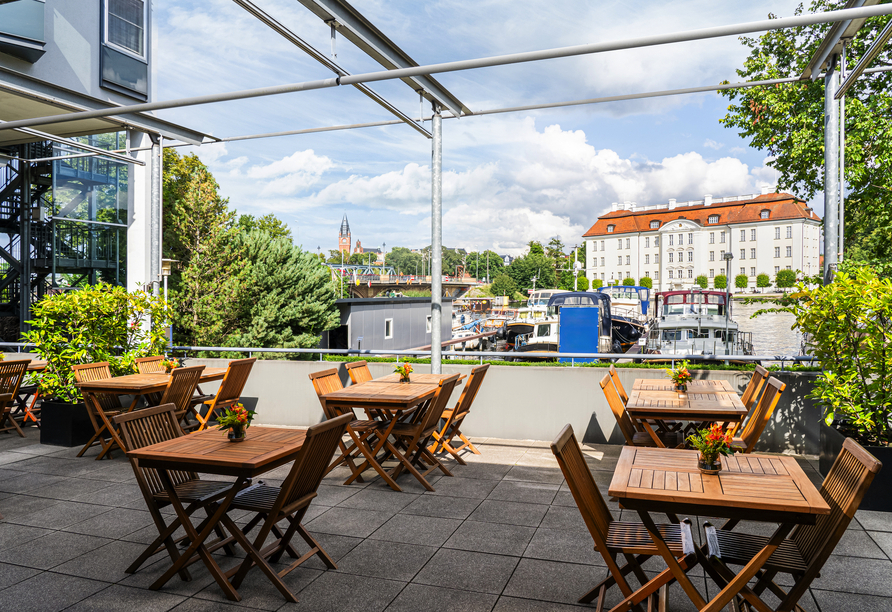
(166,268)
(728,256)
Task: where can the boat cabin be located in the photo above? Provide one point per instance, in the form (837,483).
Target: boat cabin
(692,303)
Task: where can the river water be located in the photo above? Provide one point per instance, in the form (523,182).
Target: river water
(771,332)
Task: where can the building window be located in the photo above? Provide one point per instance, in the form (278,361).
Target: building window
(776,270)
(789,231)
(712,256)
(743,235)
(789,251)
(654,225)
(610,229)
(657,258)
(620,243)
(753,235)
(627,260)
(647,259)
(752,271)
(646,274)
(670,273)
(602,261)
(777,251)
(690,256)
(603,246)
(671,240)
(388,329)
(764,214)
(713,219)
(619,261)
(627,243)
(691,238)
(646,242)
(788,268)
(125,26)
(743,271)
(743,253)
(656,241)
(428,324)
(680,239)
(722,237)
(711,237)
(690,274)
(671,257)
(777,233)
(602,276)
(711,273)
(721,254)
(752,253)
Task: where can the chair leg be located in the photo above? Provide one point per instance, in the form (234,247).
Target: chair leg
(313,544)
(468,443)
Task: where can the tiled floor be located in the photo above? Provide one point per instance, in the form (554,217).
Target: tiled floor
(503,535)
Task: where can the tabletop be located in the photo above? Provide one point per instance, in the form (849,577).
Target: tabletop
(414,378)
(383,395)
(144,383)
(756,487)
(695,386)
(210,451)
(716,406)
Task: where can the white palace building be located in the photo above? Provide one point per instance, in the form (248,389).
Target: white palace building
(676,242)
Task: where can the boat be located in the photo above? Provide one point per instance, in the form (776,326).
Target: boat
(630,312)
(574,322)
(694,323)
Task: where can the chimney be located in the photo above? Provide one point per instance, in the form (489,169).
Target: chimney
(808,210)
(707,199)
(627,205)
(671,203)
(614,207)
(766,189)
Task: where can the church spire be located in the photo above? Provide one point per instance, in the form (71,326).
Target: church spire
(345,226)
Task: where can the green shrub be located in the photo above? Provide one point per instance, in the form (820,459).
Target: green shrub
(720,281)
(785,279)
(646,281)
(741,281)
(702,281)
(629,281)
(763,280)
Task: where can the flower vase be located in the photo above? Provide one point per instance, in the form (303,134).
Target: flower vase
(404,379)
(709,465)
(237,434)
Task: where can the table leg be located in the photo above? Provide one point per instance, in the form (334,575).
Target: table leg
(653,434)
(677,572)
(370,455)
(197,539)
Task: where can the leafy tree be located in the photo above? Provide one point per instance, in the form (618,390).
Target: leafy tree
(269,223)
(566,281)
(741,281)
(334,257)
(189,189)
(763,280)
(403,260)
(702,281)
(536,248)
(503,285)
(720,281)
(629,281)
(361,259)
(533,264)
(787,122)
(785,278)
(646,281)
(476,263)
(597,283)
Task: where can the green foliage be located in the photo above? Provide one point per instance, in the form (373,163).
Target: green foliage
(763,280)
(268,223)
(720,281)
(629,281)
(93,324)
(536,248)
(503,285)
(403,260)
(785,279)
(597,283)
(566,281)
(476,263)
(646,281)
(741,281)
(786,121)
(702,281)
(523,269)
(849,326)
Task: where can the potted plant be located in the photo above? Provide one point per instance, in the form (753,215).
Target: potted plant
(848,325)
(237,419)
(680,376)
(169,363)
(89,325)
(403,370)
(711,442)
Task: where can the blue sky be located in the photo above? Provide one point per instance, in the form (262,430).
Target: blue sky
(508,178)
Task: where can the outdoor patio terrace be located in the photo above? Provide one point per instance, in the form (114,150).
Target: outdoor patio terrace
(503,535)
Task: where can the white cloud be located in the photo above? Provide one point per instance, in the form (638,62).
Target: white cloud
(712,144)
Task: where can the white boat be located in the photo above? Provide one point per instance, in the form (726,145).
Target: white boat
(694,323)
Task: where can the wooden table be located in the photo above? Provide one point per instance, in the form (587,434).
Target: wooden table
(394,398)
(210,452)
(751,487)
(695,386)
(700,406)
(415,378)
(137,385)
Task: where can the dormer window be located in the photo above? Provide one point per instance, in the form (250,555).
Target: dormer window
(713,219)
(654,225)
(764,214)
(610,229)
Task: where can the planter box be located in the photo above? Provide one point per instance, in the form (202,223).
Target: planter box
(879,495)
(64,424)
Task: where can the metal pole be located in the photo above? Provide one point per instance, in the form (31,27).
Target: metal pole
(487,266)
(728,257)
(436,240)
(831,172)
(575,261)
(842,160)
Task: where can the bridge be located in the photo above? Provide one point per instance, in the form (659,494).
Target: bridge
(372,281)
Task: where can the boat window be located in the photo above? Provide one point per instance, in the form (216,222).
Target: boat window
(543,330)
(703,333)
(715,299)
(672,334)
(675,299)
(720,334)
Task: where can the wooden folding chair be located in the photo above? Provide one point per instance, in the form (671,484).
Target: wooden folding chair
(230,390)
(751,395)
(613,538)
(455,416)
(359,372)
(11,375)
(149,426)
(179,393)
(759,417)
(633,437)
(416,436)
(149,365)
(624,397)
(290,503)
(360,431)
(101,408)
(804,552)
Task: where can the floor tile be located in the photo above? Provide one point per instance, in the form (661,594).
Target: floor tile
(106,563)
(515,604)
(61,514)
(413,529)
(116,524)
(535,474)
(481,572)
(48,592)
(551,581)
(13,535)
(259,593)
(337,592)
(491,538)
(509,513)
(463,487)
(379,500)
(417,597)
(564,517)
(127,599)
(349,522)
(14,574)
(330,495)
(563,545)
(51,550)
(527,492)
(388,560)
(442,506)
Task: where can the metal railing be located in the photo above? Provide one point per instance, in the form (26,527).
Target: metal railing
(481,355)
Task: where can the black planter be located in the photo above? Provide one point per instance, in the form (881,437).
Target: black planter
(879,495)
(64,424)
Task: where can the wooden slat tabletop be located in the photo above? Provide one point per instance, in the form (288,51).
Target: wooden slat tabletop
(720,406)
(695,386)
(413,378)
(667,480)
(391,396)
(210,451)
(140,384)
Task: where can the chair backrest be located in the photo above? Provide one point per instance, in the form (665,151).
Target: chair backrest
(89,372)
(312,461)
(181,387)
(614,376)
(359,372)
(751,393)
(843,489)
(438,404)
(470,391)
(233,384)
(582,485)
(762,414)
(11,375)
(324,382)
(619,409)
(149,365)
(144,428)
